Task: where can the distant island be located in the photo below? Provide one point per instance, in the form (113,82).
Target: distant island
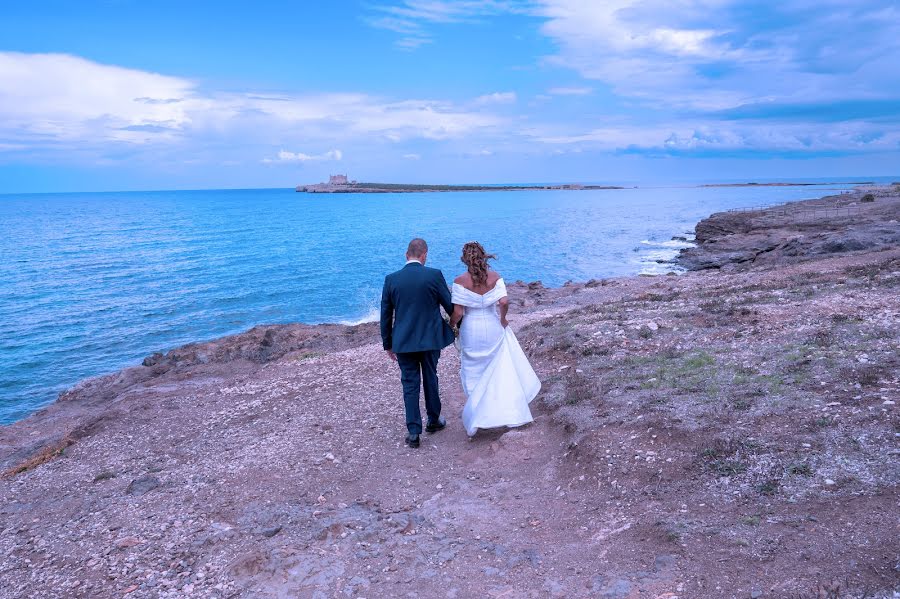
(341,184)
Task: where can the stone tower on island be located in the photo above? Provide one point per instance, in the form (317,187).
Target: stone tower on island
(338,180)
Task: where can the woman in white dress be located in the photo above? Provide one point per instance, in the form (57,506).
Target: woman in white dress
(496,376)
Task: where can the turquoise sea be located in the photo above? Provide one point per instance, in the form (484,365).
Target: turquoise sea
(93,282)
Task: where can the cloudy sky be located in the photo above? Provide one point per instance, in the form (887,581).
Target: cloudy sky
(128,94)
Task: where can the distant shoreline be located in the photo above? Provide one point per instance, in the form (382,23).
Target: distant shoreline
(413,188)
(784,184)
(418,188)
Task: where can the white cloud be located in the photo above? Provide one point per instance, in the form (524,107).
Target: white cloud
(412,156)
(450,11)
(285,156)
(496,98)
(570,91)
(706,55)
(58,97)
(718,136)
(56,101)
(412,42)
(412,18)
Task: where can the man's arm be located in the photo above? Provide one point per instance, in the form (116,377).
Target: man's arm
(387,316)
(443,291)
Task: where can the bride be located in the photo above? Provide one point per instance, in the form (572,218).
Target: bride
(496,376)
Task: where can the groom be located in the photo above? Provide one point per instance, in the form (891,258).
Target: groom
(414,333)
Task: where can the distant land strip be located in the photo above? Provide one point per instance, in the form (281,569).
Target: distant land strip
(354,187)
(411,187)
(784,184)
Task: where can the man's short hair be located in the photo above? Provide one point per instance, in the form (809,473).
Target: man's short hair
(417,248)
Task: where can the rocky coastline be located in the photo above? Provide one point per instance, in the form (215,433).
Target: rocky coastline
(728,432)
(798,231)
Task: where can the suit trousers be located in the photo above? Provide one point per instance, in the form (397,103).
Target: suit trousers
(420,369)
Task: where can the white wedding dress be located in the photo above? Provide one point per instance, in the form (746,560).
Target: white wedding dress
(496,376)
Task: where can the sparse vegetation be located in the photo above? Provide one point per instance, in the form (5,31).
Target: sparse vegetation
(579,389)
(768,487)
(800,469)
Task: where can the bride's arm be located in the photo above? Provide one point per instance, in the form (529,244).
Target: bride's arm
(504,308)
(458,312)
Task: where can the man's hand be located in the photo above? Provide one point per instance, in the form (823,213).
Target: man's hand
(391,354)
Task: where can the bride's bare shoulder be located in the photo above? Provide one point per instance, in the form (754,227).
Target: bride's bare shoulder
(493,277)
(464,279)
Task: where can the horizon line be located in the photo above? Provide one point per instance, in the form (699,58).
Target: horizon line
(850,180)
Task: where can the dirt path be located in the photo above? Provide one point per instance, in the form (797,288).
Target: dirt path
(488,517)
(293,481)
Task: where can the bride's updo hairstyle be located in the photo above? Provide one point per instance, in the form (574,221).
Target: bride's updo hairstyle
(476,260)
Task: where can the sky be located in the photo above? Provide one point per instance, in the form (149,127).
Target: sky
(103,95)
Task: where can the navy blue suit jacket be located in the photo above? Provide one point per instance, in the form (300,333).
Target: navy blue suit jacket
(410,310)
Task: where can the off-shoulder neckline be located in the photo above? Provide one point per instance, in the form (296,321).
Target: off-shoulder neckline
(499,280)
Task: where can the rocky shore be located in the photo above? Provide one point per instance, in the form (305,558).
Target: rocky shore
(729,432)
(864,220)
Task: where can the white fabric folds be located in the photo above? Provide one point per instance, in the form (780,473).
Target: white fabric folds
(496,376)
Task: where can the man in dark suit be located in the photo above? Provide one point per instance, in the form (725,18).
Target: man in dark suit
(413,333)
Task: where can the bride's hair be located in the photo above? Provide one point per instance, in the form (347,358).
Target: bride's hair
(476,260)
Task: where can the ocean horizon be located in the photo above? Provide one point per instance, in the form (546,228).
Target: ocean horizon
(95,281)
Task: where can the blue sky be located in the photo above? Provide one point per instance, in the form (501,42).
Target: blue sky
(129,94)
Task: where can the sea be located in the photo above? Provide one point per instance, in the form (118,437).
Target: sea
(94,282)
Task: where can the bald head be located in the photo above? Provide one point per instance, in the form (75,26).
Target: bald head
(417,250)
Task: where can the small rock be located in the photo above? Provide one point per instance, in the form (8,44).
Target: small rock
(153,360)
(142,485)
(619,589)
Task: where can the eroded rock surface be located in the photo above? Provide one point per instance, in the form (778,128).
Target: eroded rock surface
(797,232)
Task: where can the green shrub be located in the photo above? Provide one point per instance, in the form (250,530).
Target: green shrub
(868,198)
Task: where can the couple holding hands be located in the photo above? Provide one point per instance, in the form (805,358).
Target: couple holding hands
(497,378)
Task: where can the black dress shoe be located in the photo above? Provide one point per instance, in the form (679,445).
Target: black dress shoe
(433,427)
(412,440)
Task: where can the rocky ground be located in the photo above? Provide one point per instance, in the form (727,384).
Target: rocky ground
(713,434)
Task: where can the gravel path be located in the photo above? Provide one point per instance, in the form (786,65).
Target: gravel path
(294,482)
